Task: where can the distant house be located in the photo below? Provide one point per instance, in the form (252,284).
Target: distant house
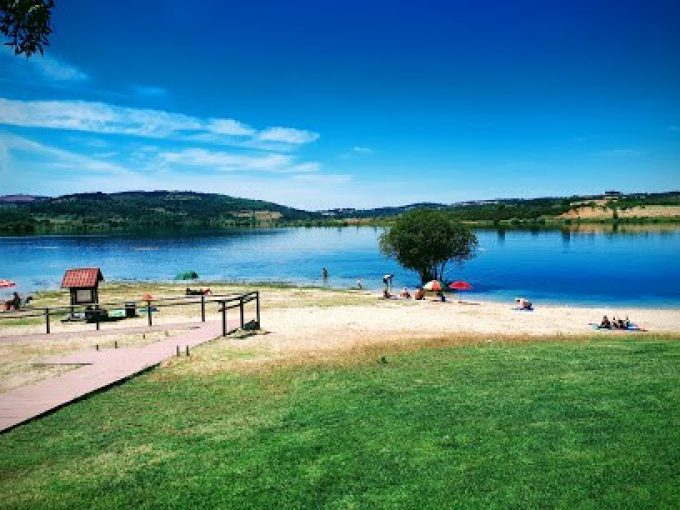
(83,284)
(612,193)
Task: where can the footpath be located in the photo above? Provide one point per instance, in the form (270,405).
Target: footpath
(98,370)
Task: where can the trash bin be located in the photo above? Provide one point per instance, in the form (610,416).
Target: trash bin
(96,315)
(130,310)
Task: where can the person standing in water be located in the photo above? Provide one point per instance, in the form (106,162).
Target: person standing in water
(324,273)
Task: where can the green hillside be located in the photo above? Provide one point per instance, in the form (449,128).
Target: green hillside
(92,212)
(157,210)
(518,211)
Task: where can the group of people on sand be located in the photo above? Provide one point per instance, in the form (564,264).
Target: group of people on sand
(198,292)
(615,323)
(418,294)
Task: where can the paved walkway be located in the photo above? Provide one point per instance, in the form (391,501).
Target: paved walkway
(100,369)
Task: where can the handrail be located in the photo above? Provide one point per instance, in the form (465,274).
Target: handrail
(238,300)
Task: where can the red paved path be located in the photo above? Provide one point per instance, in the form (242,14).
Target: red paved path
(102,369)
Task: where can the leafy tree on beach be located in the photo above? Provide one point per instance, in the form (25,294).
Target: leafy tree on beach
(26,24)
(426,240)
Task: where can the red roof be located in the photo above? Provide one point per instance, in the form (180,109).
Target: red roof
(82,277)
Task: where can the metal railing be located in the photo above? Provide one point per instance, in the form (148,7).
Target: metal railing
(96,311)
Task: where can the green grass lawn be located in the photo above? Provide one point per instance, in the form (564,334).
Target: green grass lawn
(542,424)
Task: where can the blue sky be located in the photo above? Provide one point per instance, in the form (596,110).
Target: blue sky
(344,103)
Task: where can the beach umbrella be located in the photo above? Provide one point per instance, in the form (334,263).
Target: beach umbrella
(460,285)
(5,284)
(433,285)
(186,275)
(147,297)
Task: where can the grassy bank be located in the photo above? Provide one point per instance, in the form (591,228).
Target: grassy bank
(589,422)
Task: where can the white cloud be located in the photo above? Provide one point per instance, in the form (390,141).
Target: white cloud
(28,166)
(53,69)
(356,152)
(94,117)
(362,150)
(45,66)
(105,118)
(229,127)
(53,157)
(235,162)
(286,135)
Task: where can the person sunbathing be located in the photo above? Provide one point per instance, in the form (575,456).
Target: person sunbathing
(405,294)
(198,292)
(605,323)
(618,323)
(419,294)
(524,304)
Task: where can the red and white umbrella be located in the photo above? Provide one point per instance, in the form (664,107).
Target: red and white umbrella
(433,285)
(5,284)
(460,285)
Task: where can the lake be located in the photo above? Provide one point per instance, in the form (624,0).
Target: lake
(638,268)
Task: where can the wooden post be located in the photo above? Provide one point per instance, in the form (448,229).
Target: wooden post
(224,317)
(257,304)
(240,305)
(202,307)
(47,321)
(148,312)
(96,316)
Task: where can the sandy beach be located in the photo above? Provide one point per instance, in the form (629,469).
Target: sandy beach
(319,318)
(310,322)
(377,320)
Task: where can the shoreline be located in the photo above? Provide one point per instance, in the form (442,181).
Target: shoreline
(376,290)
(327,309)
(624,226)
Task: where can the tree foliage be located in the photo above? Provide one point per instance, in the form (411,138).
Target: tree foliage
(426,240)
(26,24)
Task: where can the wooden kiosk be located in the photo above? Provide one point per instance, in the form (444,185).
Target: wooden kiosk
(83,284)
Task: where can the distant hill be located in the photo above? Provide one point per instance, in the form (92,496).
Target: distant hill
(21,199)
(92,212)
(612,206)
(157,210)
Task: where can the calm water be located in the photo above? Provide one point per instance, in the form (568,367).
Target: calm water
(581,268)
